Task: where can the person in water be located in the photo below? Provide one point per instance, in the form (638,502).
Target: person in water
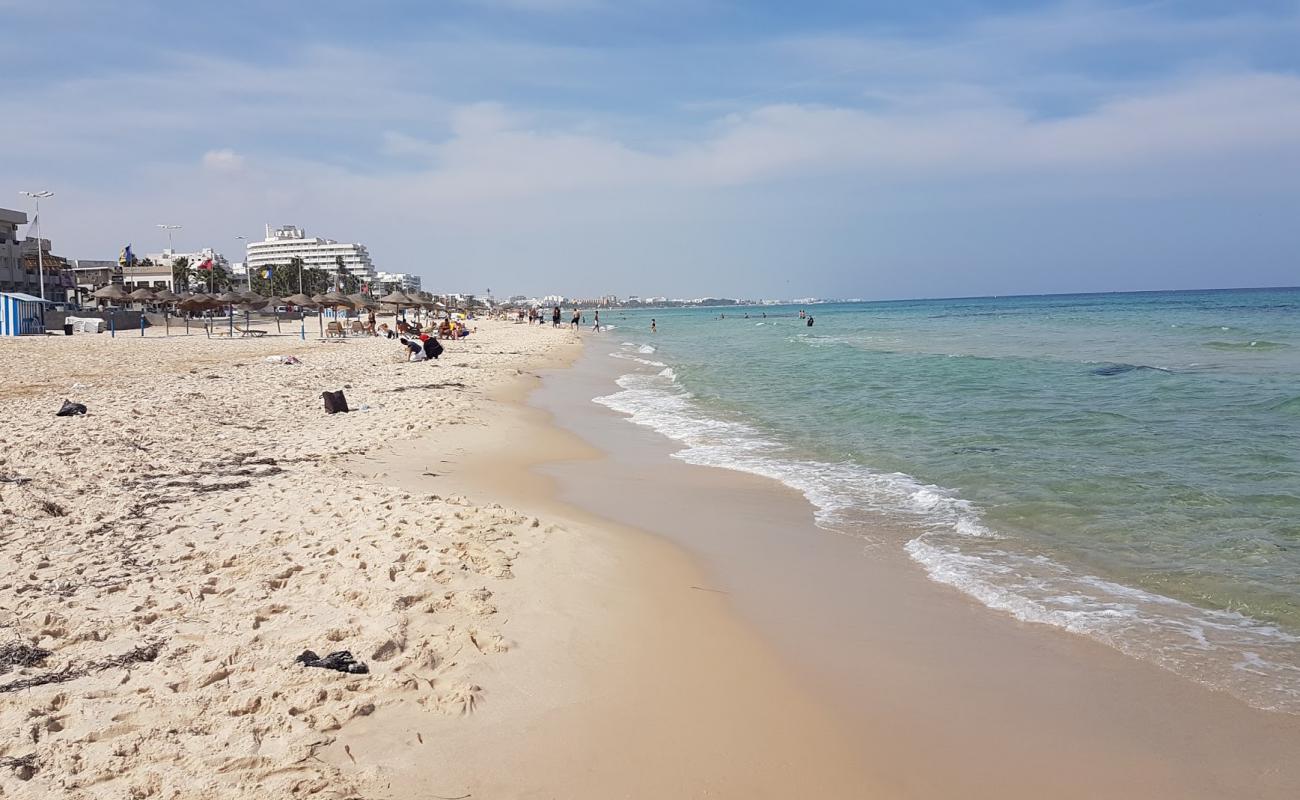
(810,322)
(653,328)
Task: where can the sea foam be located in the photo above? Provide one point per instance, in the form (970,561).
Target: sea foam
(951,541)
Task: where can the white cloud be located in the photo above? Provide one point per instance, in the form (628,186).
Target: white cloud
(395,148)
(224,160)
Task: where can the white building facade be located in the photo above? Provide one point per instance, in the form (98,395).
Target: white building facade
(158,273)
(401,280)
(289,242)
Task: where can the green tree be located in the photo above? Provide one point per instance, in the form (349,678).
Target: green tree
(220,280)
(182,273)
(316,281)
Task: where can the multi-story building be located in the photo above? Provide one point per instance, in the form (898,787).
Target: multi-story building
(22,261)
(13,276)
(286,243)
(46,264)
(90,275)
(397,280)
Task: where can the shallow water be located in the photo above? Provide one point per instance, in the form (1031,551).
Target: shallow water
(1126,466)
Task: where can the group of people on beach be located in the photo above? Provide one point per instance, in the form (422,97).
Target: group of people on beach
(420,343)
(535,316)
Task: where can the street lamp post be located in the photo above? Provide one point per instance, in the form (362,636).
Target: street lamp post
(169,228)
(40,261)
(248,273)
(171,249)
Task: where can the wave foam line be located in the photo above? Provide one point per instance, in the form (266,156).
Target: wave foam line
(1254,661)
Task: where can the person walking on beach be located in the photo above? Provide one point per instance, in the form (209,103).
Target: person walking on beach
(555,317)
(596,326)
(577,318)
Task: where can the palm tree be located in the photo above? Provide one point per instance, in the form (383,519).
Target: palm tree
(221,279)
(181,273)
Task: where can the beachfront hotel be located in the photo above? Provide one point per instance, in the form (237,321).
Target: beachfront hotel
(405,281)
(289,242)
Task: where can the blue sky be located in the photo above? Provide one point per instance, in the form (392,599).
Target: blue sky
(844,149)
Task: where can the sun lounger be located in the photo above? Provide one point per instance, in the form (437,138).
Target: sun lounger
(334,329)
(254,332)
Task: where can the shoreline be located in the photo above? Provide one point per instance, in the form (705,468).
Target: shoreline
(919,668)
(549,604)
(635,678)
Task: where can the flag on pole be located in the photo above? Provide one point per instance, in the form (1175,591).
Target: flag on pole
(126,258)
(207,264)
(266,274)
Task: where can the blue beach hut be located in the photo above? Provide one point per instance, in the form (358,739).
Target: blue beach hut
(21,314)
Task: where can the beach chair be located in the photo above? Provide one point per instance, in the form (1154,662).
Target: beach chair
(254,332)
(334,329)
(358,327)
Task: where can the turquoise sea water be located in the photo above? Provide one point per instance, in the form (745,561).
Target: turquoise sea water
(1125,466)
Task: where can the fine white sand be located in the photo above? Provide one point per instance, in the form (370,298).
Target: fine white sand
(177,547)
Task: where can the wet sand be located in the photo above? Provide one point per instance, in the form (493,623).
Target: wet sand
(940,696)
(626,676)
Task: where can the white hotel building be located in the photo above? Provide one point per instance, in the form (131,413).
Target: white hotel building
(288,242)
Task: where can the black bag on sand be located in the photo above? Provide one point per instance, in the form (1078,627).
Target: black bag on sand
(335,402)
(340,661)
(70,409)
(432,348)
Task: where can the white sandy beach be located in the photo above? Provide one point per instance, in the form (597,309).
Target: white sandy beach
(196,528)
(168,555)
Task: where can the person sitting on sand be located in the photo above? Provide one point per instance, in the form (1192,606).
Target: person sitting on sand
(385,331)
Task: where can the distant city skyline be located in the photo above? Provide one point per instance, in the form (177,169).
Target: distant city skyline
(680,149)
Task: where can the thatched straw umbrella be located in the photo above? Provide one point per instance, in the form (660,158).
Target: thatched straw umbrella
(398,299)
(113,294)
(166,297)
(335,300)
(142,295)
(274,304)
(230,299)
(252,302)
(302,301)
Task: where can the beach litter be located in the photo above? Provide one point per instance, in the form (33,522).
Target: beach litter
(282,360)
(340,661)
(335,402)
(70,409)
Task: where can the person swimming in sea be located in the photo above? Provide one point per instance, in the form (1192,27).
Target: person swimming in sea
(653,328)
